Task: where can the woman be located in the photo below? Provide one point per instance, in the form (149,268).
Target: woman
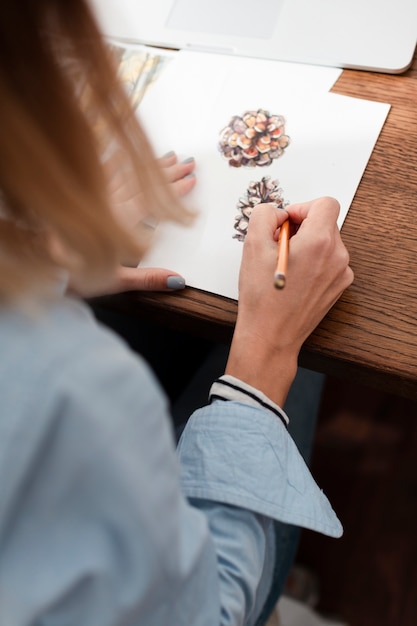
(102,521)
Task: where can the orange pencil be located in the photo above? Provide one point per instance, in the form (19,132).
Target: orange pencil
(282,261)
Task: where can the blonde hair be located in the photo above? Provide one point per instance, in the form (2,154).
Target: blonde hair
(51,175)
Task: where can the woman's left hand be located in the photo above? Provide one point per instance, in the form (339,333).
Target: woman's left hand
(124,194)
(181,175)
(142,279)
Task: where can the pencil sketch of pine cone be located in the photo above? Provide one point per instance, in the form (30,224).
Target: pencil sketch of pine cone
(265,190)
(255,138)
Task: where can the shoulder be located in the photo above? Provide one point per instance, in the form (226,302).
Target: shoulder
(60,361)
(62,337)
(72,392)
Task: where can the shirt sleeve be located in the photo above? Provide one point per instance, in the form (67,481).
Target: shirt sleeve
(234,453)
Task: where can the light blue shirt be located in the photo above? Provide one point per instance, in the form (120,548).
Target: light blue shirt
(102,521)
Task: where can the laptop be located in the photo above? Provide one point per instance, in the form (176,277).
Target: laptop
(373,35)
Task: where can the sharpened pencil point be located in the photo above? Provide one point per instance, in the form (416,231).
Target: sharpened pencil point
(279,281)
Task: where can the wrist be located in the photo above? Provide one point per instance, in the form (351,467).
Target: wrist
(264,367)
(230,388)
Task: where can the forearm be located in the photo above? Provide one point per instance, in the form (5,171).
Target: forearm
(262,365)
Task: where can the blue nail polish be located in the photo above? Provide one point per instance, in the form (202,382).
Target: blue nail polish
(189,160)
(169,154)
(175,282)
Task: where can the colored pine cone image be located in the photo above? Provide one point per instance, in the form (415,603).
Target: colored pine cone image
(265,190)
(256,138)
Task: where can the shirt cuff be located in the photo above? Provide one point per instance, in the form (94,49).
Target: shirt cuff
(243,456)
(230,388)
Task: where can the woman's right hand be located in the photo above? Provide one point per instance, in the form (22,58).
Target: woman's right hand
(273,324)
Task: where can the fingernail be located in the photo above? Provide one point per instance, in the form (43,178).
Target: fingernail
(280,207)
(168,154)
(191,175)
(189,160)
(175,282)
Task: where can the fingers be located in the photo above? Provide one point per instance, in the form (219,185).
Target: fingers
(179,173)
(262,234)
(318,237)
(135,279)
(184,185)
(265,219)
(147,279)
(323,211)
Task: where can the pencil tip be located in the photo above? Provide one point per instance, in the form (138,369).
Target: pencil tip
(279,281)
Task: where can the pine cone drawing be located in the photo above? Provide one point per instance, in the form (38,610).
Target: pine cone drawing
(265,190)
(255,138)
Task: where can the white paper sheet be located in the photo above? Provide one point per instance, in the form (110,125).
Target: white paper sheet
(331,140)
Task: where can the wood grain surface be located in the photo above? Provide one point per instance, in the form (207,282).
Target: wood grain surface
(370,335)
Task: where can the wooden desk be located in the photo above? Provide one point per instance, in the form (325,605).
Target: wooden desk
(370,335)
